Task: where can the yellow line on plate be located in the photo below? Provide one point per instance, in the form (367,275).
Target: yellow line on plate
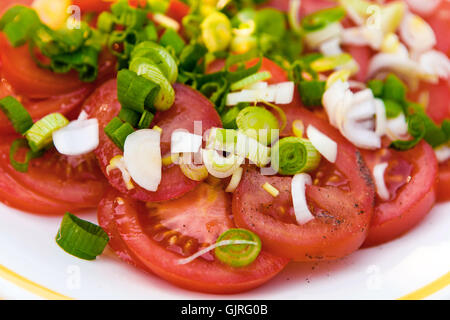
(30,286)
(429,289)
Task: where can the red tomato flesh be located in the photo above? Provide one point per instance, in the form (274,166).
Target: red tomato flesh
(67,183)
(161,234)
(103,105)
(411,180)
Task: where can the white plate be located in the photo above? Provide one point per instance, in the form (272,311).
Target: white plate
(33,266)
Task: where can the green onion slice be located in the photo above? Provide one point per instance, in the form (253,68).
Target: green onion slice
(171,39)
(238,255)
(257,123)
(145,120)
(322,18)
(160,57)
(135,92)
(330,62)
(254,78)
(39,135)
(130,116)
(15,146)
(118,131)
(16,113)
(293,155)
(146,68)
(81,238)
(311,92)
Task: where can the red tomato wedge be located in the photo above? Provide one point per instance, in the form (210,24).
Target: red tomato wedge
(5,4)
(103,105)
(411,178)
(341,199)
(67,183)
(159,235)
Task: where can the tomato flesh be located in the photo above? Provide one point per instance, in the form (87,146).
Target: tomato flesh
(443,193)
(103,105)
(53,184)
(204,274)
(411,179)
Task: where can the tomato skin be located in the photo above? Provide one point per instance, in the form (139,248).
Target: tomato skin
(443,193)
(199,275)
(105,214)
(393,218)
(103,105)
(19,197)
(76,182)
(38,108)
(28,79)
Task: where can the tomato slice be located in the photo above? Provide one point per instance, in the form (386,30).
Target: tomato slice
(411,179)
(341,198)
(161,234)
(5,4)
(440,23)
(70,183)
(443,193)
(103,105)
(92,5)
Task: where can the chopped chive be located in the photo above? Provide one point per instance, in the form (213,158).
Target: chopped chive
(15,146)
(254,78)
(311,92)
(118,131)
(146,120)
(130,116)
(81,238)
(16,113)
(39,136)
(172,39)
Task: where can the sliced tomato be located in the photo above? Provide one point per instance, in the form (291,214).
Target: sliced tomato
(68,182)
(159,235)
(440,22)
(103,105)
(106,220)
(341,199)
(411,178)
(28,79)
(38,108)
(443,193)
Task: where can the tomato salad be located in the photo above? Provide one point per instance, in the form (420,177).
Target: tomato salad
(220,140)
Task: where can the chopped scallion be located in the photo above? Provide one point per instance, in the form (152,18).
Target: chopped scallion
(39,135)
(16,113)
(81,238)
(238,255)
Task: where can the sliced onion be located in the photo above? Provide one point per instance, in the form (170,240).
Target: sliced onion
(424,7)
(166,21)
(326,146)
(281,93)
(185,142)
(252,149)
(284,92)
(235,180)
(118,163)
(142,156)
(442,153)
(381,120)
(331,47)
(315,38)
(378,174)
(397,128)
(219,166)
(362,36)
(77,138)
(417,33)
(298,190)
(435,63)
